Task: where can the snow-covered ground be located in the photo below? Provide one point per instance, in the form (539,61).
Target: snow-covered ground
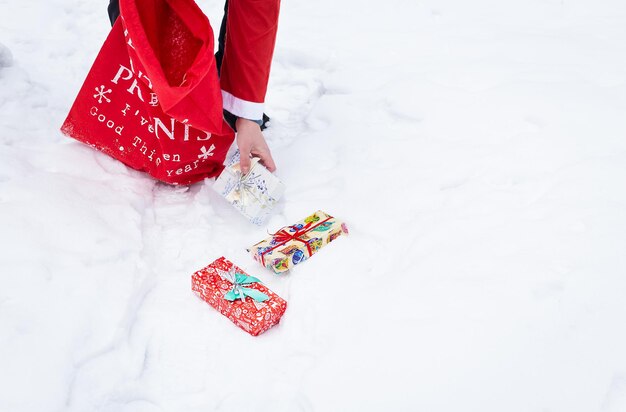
(476,149)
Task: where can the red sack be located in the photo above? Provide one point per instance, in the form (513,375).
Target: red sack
(152,98)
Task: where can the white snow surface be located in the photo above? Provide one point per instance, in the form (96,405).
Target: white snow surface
(476,149)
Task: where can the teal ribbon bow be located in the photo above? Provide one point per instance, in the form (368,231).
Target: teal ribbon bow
(240,292)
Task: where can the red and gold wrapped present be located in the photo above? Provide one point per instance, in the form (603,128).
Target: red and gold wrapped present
(239,297)
(294,244)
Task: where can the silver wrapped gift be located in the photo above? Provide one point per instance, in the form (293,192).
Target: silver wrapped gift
(254,194)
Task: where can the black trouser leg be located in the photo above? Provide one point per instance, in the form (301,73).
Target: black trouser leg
(221,40)
(114,10)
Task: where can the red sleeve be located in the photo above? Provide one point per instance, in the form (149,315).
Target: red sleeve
(250,38)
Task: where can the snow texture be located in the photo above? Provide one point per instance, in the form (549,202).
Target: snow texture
(6,59)
(476,149)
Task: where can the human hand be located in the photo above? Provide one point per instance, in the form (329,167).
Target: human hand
(250,141)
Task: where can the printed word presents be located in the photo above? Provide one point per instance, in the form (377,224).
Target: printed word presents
(128,74)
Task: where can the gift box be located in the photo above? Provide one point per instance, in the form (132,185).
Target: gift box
(239,297)
(254,194)
(294,244)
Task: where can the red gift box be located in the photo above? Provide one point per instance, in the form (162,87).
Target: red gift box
(250,315)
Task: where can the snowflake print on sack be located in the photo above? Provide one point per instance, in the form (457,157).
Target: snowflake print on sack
(205,154)
(101,94)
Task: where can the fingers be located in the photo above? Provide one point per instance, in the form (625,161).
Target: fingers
(266,159)
(262,151)
(244,162)
(250,141)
